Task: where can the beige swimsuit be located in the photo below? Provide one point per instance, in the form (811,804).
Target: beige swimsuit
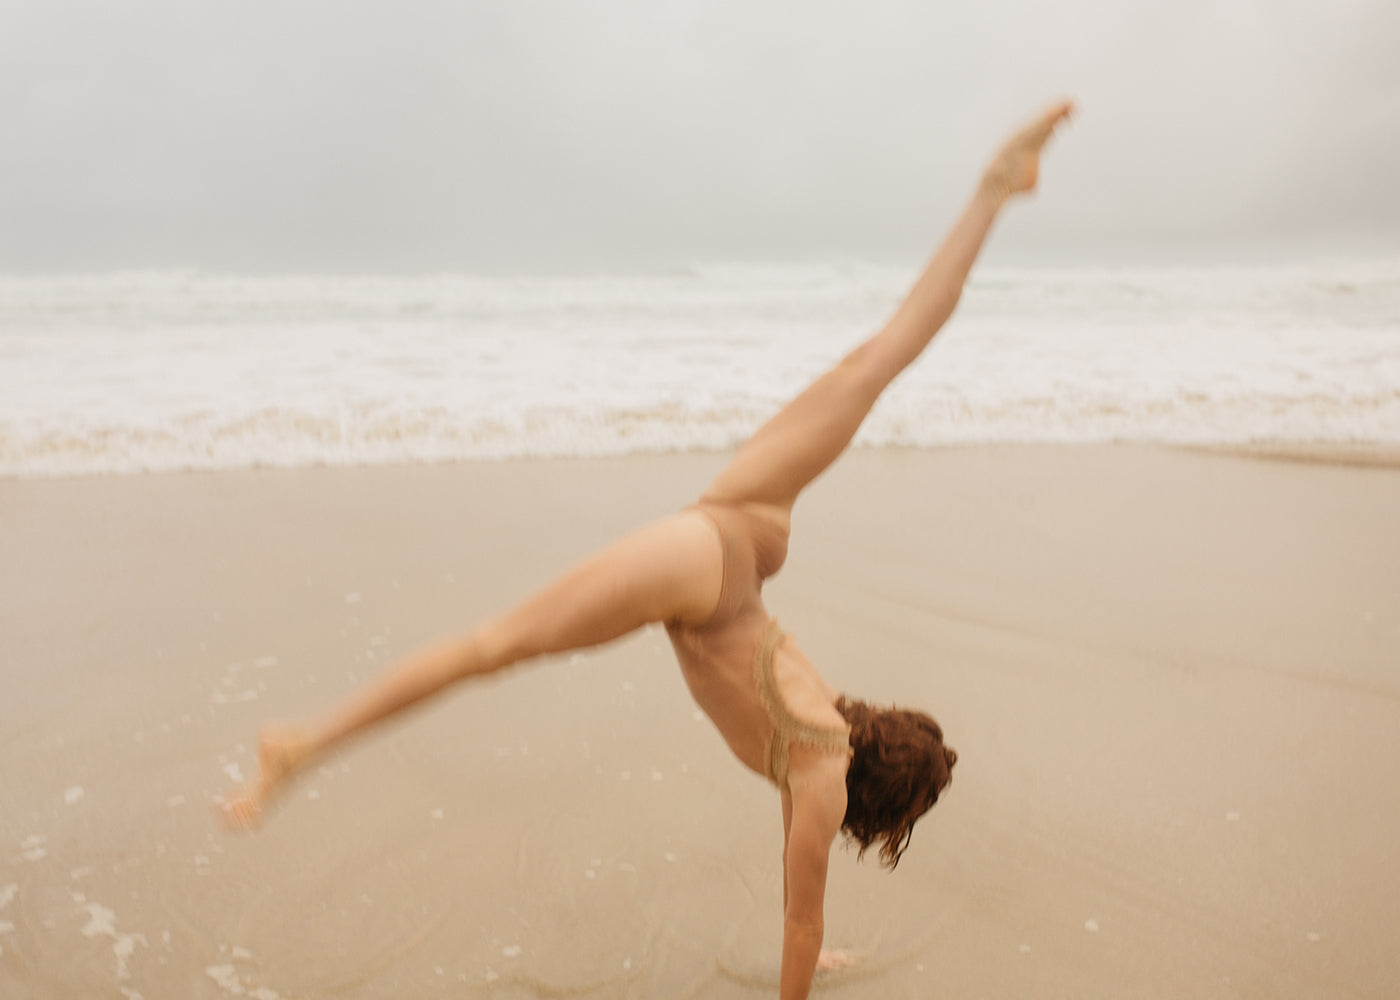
(788,728)
(739,632)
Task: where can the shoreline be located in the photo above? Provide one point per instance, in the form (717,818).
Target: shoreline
(1350,455)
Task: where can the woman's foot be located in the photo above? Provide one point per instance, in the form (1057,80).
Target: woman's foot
(1017,165)
(281,753)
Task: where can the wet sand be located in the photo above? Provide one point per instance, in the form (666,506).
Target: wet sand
(1173,680)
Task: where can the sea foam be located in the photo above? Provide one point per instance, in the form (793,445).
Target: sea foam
(158,371)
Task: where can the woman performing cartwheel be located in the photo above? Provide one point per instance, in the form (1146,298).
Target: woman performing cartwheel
(838,764)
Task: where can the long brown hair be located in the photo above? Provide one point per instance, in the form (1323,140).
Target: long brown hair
(899,767)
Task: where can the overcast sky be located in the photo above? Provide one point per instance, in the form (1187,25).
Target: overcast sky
(522,136)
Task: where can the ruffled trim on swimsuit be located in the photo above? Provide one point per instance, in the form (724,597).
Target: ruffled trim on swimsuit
(786,726)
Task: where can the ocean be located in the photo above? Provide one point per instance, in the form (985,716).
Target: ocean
(151,371)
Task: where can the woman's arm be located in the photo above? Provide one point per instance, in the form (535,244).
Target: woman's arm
(818,794)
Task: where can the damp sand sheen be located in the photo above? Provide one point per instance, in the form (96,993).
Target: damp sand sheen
(1170,674)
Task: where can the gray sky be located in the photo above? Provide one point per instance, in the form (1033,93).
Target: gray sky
(338,135)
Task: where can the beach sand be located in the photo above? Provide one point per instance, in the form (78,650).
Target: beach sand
(1173,680)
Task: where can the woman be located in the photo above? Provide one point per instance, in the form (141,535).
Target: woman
(838,764)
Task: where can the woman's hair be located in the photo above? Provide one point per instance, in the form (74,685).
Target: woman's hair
(899,767)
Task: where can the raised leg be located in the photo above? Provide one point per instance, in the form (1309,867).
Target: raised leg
(671,570)
(808,434)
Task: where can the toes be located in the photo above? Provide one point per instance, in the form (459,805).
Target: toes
(240,813)
(1060,113)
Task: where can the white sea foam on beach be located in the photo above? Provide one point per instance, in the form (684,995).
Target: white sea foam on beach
(32,848)
(102,923)
(150,371)
(226,976)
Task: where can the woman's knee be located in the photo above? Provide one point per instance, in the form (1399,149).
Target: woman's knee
(501,642)
(867,371)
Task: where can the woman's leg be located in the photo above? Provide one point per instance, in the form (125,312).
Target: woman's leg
(670,570)
(807,435)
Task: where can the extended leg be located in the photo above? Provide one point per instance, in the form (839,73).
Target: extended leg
(670,570)
(807,435)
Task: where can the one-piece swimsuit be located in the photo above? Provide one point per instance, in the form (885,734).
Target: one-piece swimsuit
(787,727)
(753,549)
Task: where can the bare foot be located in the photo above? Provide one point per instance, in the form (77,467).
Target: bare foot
(1016,166)
(281,753)
(837,958)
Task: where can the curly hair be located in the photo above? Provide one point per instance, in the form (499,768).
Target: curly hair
(899,767)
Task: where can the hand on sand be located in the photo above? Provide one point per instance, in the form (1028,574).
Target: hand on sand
(281,753)
(1016,166)
(837,958)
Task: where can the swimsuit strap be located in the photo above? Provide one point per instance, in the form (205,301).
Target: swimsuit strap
(787,727)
